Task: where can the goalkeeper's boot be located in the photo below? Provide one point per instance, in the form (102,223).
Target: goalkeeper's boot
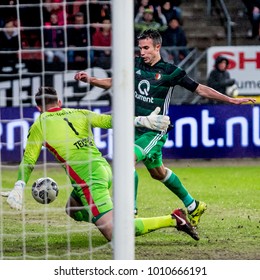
(183,224)
(195,215)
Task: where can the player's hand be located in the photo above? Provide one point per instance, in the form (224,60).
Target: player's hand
(239,101)
(81,76)
(154,121)
(15,197)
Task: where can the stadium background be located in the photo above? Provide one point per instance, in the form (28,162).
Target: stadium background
(200,131)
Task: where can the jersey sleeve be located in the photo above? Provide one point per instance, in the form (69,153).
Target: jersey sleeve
(188,83)
(100,120)
(31,153)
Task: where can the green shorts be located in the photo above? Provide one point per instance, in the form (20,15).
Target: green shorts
(148,148)
(94,196)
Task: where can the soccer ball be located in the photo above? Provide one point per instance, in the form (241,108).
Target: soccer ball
(45,190)
(232,91)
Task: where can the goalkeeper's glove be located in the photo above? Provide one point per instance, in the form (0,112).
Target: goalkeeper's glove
(15,197)
(154,121)
(5,194)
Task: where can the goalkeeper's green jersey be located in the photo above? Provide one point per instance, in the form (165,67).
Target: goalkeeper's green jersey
(67,134)
(154,86)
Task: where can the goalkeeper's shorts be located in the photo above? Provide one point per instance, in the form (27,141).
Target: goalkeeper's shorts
(95,197)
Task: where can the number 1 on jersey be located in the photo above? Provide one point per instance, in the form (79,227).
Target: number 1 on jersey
(71,126)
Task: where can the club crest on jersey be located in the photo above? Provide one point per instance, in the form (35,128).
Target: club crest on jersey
(158,76)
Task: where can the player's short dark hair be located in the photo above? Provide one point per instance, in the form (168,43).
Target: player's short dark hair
(151,34)
(45,96)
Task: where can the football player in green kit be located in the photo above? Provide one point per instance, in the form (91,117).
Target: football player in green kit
(67,134)
(154,84)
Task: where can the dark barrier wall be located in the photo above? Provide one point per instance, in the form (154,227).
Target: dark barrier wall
(215,131)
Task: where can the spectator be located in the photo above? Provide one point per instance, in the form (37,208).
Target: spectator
(176,6)
(58,9)
(9,44)
(103,38)
(53,7)
(219,78)
(253,12)
(170,11)
(31,54)
(174,36)
(46,10)
(77,37)
(105,10)
(97,11)
(72,8)
(141,5)
(53,40)
(256,20)
(145,20)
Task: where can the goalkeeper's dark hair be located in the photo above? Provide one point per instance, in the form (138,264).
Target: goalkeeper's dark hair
(45,96)
(151,34)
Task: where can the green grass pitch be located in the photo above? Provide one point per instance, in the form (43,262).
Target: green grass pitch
(229,229)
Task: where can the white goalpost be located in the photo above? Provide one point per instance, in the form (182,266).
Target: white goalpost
(123,108)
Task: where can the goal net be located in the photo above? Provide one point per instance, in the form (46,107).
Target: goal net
(45,44)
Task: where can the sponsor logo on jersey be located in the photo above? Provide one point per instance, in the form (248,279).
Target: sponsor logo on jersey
(143,91)
(144,87)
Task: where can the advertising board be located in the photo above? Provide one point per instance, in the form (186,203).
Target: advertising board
(201,132)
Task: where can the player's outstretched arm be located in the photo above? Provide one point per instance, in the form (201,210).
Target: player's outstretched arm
(210,93)
(104,83)
(15,196)
(154,121)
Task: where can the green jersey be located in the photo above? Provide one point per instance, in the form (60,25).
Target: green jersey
(154,86)
(66,133)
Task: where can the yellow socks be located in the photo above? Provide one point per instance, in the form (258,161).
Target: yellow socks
(146,225)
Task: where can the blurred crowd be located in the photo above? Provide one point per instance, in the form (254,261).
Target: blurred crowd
(77,25)
(74,35)
(166,17)
(57,35)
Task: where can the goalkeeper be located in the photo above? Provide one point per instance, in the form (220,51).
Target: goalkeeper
(67,134)
(154,84)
